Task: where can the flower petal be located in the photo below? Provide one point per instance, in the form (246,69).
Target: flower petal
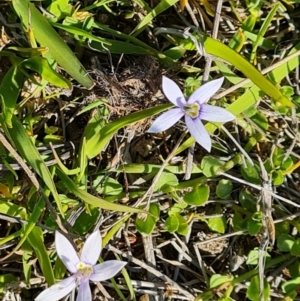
(166,120)
(213,113)
(84,291)
(199,132)
(66,252)
(107,270)
(206,91)
(92,248)
(173,92)
(58,290)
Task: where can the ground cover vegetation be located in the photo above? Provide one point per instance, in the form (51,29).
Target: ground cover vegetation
(163,134)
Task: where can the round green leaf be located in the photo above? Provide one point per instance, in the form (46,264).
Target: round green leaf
(172,223)
(291,285)
(224,189)
(247,200)
(296,248)
(285,242)
(198,196)
(211,166)
(254,227)
(253,291)
(277,177)
(147,225)
(249,173)
(183,227)
(166,179)
(294,269)
(217,224)
(238,222)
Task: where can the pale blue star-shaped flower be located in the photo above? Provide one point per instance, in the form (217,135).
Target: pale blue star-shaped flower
(83,268)
(194,110)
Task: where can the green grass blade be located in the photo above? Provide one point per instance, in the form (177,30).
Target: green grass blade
(10,88)
(160,7)
(36,240)
(28,228)
(263,31)
(219,49)
(29,152)
(42,66)
(80,32)
(48,37)
(101,137)
(132,40)
(120,47)
(92,200)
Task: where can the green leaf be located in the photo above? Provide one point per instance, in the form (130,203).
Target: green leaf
(224,189)
(29,152)
(250,173)
(177,208)
(36,240)
(175,52)
(294,269)
(59,270)
(277,177)
(291,285)
(81,32)
(278,156)
(10,88)
(255,224)
(262,31)
(288,163)
(42,66)
(109,186)
(282,228)
(119,47)
(253,291)
(172,223)
(285,242)
(247,200)
(136,42)
(48,37)
(296,248)
(60,9)
(183,227)
(211,166)
(154,168)
(146,226)
(6,279)
(217,280)
(198,196)
(253,256)
(217,224)
(86,220)
(166,179)
(260,120)
(159,8)
(226,298)
(28,227)
(92,200)
(238,222)
(221,50)
(97,140)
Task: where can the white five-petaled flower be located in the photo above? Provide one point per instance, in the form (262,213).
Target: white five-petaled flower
(194,110)
(83,269)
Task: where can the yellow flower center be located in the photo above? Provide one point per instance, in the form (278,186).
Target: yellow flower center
(83,269)
(192,110)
